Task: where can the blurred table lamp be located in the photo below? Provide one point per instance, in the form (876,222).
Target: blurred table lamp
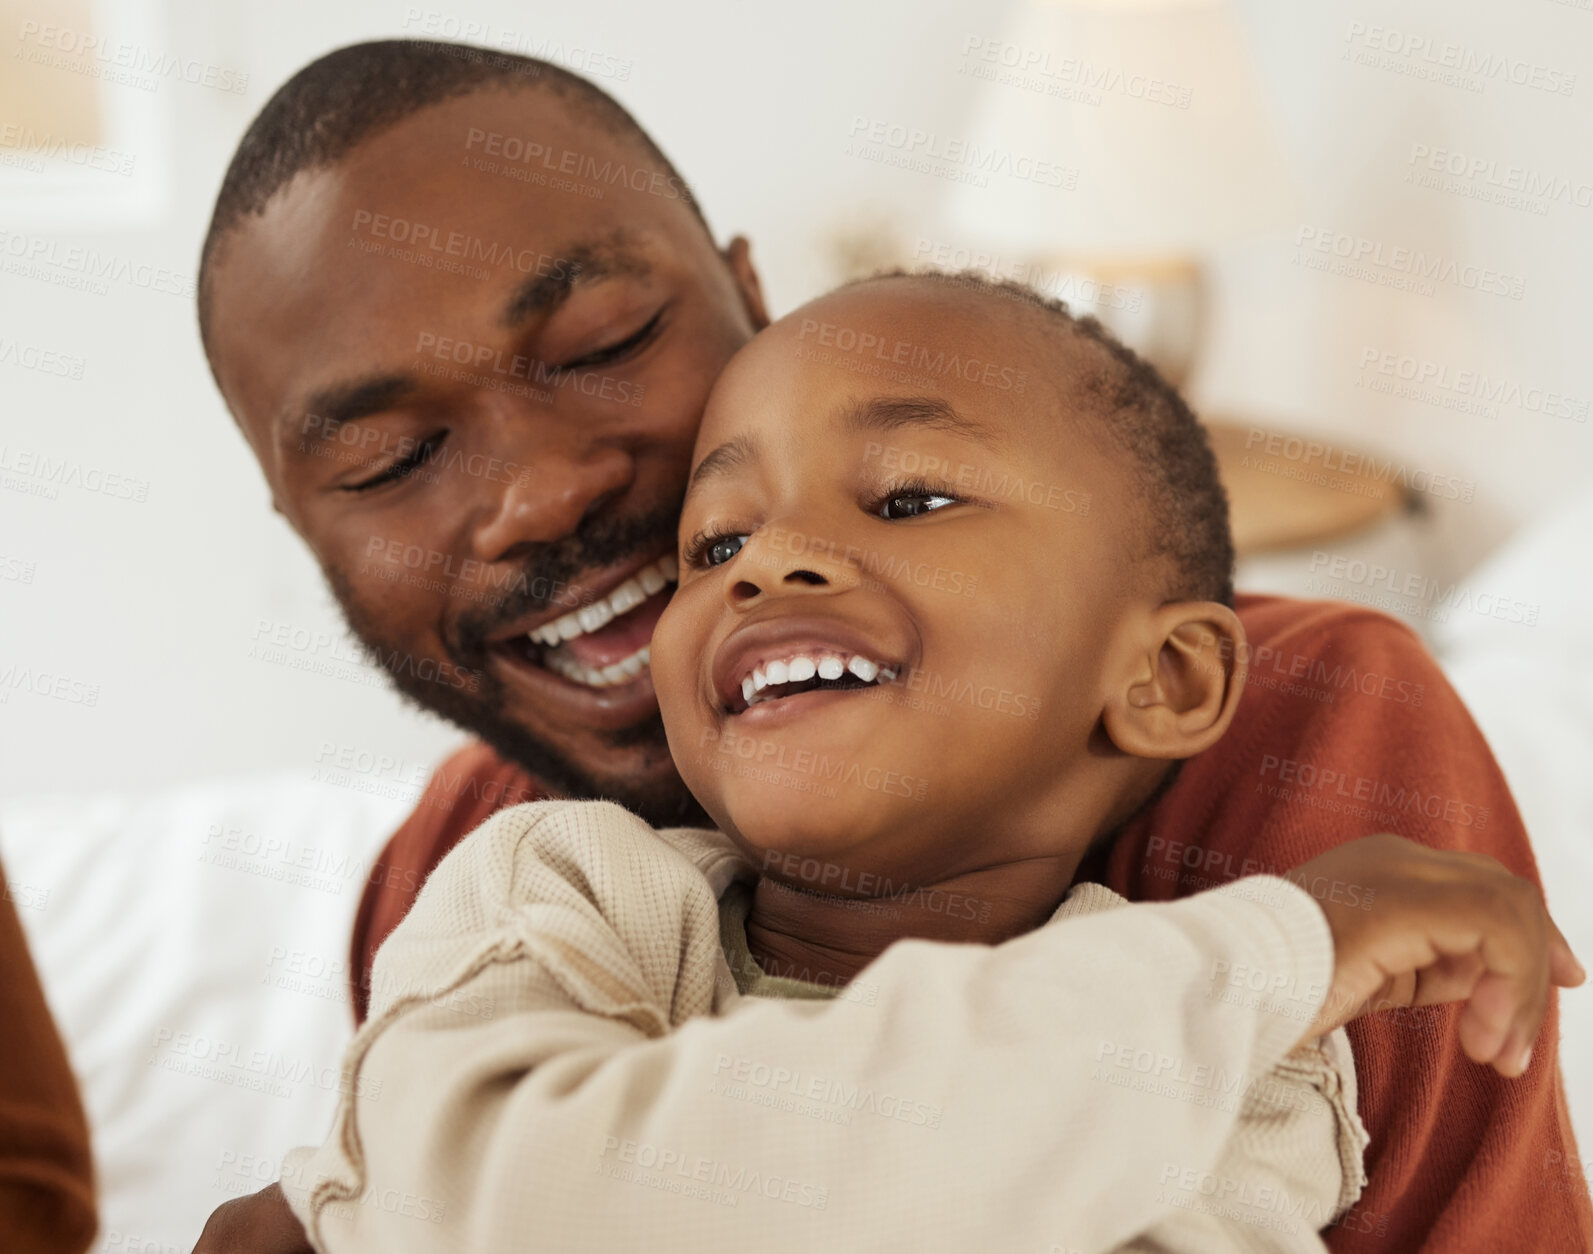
(1151,110)
(1154,116)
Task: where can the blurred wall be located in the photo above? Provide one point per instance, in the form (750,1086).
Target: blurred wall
(137,590)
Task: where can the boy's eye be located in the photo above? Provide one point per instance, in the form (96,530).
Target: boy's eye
(713,546)
(912,504)
(720,551)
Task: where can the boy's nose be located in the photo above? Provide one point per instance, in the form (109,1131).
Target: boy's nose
(747,589)
(774,570)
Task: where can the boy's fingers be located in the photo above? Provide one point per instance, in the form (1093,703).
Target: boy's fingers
(1489,1017)
(1516,1055)
(1449,979)
(1564,969)
(1505,1011)
(1462,928)
(1525,1033)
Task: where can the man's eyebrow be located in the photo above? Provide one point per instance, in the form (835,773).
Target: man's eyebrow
(725,458)
(331,407)
(580,263)
(887,413)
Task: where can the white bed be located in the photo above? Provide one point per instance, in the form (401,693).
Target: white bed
(193,946)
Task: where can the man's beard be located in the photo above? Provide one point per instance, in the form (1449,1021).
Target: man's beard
(481,708)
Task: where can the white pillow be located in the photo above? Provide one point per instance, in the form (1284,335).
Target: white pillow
(193,946)
(1515,647)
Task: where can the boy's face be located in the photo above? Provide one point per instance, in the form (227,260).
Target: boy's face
(894,474)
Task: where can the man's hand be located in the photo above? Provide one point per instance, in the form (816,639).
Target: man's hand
(258,1224)
(1430,926)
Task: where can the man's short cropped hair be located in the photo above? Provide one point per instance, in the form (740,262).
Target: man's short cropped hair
(352,94)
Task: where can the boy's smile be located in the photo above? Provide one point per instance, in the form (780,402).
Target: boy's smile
(775,663)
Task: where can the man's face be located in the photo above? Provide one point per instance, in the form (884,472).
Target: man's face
(471,358)
(903,568)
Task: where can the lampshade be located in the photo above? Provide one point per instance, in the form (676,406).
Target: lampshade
(1150,109)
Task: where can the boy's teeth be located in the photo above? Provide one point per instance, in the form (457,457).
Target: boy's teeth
(801,668)
(625,598)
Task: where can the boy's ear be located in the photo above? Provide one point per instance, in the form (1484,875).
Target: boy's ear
(739,258)
(1179,681)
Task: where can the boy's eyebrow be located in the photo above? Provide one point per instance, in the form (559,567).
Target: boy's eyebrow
(877,413)
(542,293)
(732,453)
(887,413)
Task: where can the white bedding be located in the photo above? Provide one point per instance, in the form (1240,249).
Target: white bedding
(193,947)
(1531,691)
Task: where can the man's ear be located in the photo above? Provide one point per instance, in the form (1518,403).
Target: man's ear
(739,258)
(1178,681)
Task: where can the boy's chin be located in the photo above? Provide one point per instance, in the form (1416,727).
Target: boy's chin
(819,843)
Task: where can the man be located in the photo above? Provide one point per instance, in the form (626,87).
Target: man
(467,315)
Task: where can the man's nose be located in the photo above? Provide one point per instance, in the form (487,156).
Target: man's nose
(545,499)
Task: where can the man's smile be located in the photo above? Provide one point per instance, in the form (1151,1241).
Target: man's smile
(595,658)
(607,642)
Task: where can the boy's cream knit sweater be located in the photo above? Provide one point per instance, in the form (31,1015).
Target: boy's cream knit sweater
(559,1058)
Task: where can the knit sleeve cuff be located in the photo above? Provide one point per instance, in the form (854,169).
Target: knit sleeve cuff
(1291,957)
(296,1173)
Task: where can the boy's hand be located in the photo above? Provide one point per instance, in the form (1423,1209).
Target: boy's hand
(260,1223)
(1434,926)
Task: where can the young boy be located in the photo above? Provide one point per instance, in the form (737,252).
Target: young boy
(921,662)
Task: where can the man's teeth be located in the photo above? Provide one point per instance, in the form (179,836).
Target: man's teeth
(621,672)
(802,667)
(589,618)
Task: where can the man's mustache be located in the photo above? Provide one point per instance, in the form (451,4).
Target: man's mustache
(548,576)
